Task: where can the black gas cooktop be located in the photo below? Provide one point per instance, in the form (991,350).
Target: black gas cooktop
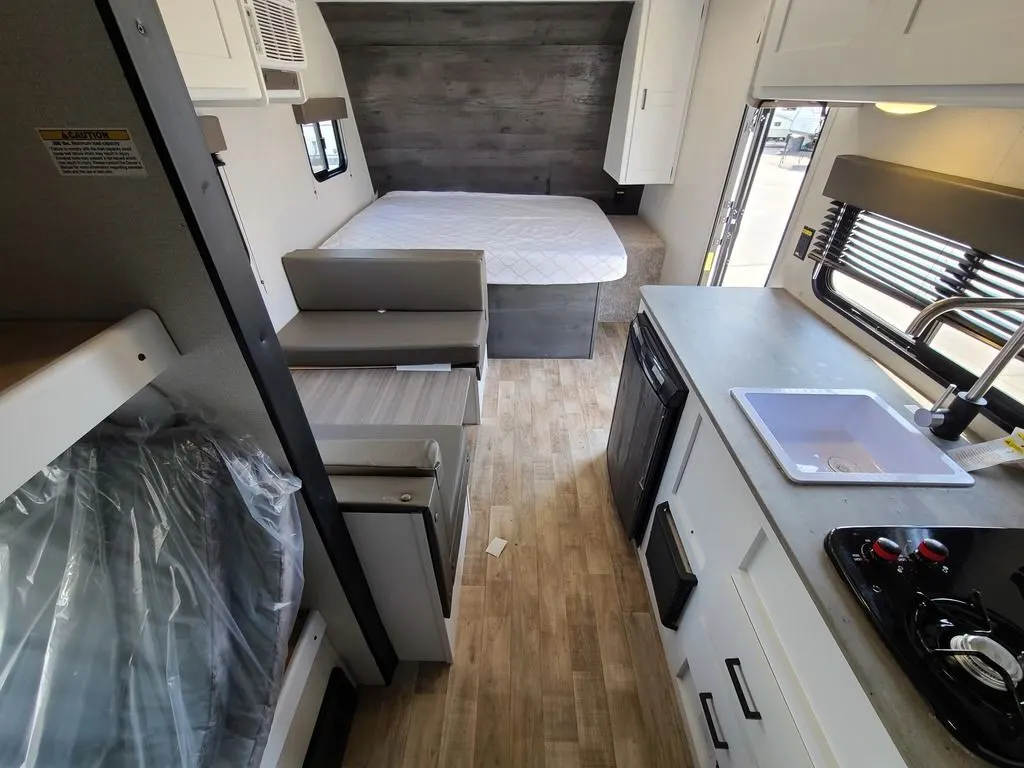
(949,604)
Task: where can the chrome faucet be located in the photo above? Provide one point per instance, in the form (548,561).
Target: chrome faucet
(950,422)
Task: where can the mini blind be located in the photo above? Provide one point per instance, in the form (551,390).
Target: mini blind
(919,267)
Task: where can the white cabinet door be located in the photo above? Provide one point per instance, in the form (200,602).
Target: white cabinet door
(754,699)
(654,146)
(627,86)
(655,77)
(720,516)
(811,42)
(945,42)
(712,730)
(213,51)
(674,32)
(938,51)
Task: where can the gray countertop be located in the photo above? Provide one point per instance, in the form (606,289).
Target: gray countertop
(761,337)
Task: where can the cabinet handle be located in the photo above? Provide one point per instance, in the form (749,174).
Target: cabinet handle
(735,670)
(643,100)
(719,743)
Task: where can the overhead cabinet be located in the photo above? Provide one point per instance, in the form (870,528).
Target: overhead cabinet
(935,51)
(237,52)
(659,57)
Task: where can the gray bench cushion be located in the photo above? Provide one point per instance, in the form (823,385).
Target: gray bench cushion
(354,339)
(388,458)
(410,280)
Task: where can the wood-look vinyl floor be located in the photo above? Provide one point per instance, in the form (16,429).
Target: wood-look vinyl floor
(558,660)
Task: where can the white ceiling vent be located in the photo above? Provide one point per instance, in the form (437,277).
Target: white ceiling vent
(276,34)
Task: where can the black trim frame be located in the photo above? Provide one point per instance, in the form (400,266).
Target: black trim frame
(144,50)
(1002,409)
(334,723)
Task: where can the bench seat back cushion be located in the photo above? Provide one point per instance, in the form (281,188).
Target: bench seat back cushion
(408,280)
(366,339)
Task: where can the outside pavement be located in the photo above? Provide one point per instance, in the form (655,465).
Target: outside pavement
(764,220)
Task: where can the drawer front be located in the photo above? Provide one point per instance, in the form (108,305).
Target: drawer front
(711,727)
(753,698)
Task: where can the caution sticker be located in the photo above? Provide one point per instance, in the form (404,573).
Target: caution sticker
(92,151)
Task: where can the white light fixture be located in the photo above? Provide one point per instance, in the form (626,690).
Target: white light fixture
(903,108)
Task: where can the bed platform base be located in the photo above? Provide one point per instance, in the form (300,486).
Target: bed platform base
(542,321)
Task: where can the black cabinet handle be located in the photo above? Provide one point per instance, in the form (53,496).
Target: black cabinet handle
(733,665)
(719,743)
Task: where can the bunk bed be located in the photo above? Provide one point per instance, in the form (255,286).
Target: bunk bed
(126,286)
(546,257)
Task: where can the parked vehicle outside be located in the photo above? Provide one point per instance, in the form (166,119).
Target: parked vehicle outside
(802,121)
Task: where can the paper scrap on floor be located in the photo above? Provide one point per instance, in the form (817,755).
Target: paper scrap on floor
(496,547)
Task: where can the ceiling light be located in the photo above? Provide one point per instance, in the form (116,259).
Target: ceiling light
(903,108)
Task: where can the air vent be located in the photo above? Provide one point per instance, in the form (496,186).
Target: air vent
(276,34)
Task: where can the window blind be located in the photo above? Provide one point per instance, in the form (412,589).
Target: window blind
(918,267)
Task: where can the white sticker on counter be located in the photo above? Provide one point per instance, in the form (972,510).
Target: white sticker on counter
(92,151)
(984,455)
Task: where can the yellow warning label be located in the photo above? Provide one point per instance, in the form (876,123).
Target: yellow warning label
(92,151)
(1015,442)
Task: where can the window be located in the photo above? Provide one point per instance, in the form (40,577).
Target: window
(325,148)
(880,272)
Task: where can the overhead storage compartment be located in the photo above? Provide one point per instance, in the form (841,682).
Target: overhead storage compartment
(659,59)
(237,52)
(927,51)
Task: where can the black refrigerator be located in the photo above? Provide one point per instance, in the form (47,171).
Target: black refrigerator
(647,407)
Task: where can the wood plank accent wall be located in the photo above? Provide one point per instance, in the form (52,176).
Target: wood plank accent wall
(483,97)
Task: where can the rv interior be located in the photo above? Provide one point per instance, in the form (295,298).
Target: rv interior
(519,383)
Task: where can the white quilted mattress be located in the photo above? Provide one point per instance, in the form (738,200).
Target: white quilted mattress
(527,239)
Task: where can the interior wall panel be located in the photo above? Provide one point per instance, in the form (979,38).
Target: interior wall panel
(500,97)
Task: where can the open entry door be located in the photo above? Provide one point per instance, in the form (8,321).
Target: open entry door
(768,166)
(749,144)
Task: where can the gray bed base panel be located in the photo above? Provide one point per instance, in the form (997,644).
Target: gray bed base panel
(542,321)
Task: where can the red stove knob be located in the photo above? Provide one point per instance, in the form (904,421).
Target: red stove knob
(886,550)
(932,550)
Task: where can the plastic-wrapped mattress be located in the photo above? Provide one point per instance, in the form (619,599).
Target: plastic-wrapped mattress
(148,583)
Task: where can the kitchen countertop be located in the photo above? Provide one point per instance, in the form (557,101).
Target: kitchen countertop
(763,337)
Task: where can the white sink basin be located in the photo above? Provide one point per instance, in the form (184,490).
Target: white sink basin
(845,436)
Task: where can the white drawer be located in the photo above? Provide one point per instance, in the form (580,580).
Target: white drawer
(712,729)
(753,696)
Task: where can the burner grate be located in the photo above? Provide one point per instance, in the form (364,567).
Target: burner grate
(973,608)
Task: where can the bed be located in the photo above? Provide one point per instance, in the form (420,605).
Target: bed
(546,257)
